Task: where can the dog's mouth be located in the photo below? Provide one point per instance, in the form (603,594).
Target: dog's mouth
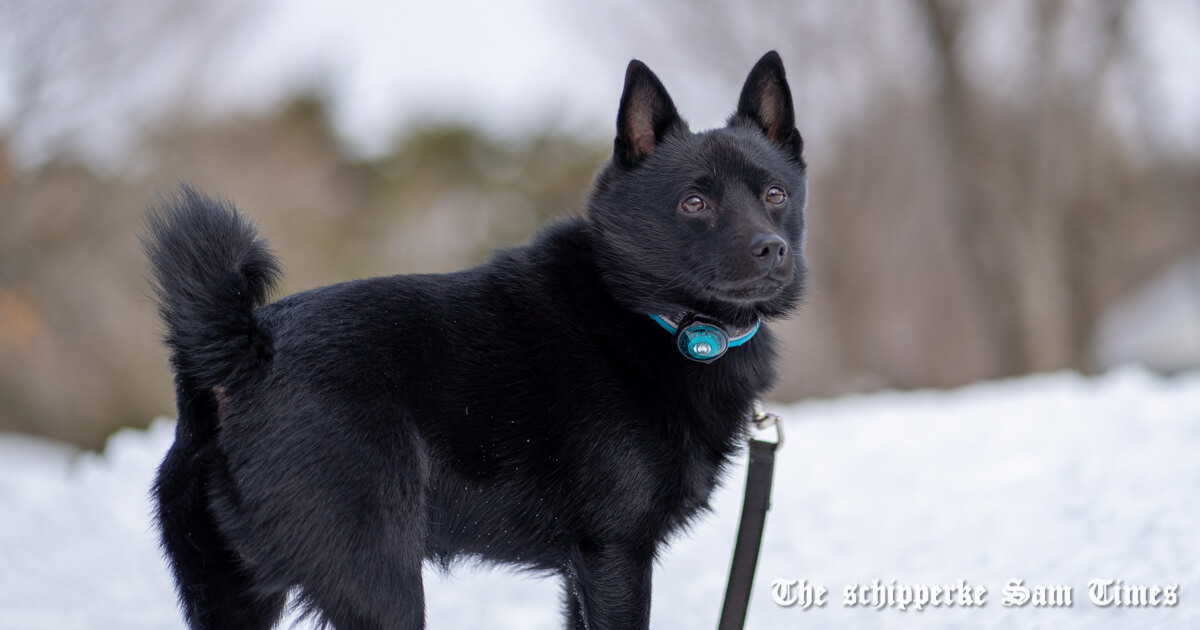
(747,291)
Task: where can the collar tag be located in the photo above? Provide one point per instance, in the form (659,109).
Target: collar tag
(701,339)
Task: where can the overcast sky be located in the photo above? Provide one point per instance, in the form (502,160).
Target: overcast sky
(531,64)
(507,65)
(515,65)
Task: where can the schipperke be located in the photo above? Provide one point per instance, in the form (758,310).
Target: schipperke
(566,407)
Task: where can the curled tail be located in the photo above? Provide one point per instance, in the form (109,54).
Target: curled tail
(210,270)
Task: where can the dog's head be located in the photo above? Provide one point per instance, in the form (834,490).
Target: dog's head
(710,222)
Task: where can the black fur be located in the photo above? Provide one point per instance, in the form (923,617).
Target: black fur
(526,411)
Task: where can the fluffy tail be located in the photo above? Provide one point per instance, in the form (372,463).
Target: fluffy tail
(210,270)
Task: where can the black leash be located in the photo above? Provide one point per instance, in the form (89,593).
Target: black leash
(754,515)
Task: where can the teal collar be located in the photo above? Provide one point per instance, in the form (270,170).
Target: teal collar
(702,339)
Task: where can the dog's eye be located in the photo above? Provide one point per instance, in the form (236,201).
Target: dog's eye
(776,196)
(693,204)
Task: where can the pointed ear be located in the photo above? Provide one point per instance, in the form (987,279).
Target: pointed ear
(766,103)
(646,115)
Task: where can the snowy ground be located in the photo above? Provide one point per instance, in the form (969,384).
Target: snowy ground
(1054,480)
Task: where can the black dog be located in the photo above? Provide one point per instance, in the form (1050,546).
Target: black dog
(530,411)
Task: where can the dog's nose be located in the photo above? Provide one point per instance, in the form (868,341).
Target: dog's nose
(768,249)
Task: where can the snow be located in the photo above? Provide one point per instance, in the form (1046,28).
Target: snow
(1052,479)
(1158,326)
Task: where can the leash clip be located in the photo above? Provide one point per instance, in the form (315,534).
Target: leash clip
(761,420)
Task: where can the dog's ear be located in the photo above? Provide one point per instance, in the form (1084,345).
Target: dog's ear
(646,116)
(766,103)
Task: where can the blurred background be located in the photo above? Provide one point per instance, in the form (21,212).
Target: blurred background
(997,188)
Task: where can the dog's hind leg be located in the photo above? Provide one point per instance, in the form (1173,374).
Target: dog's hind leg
(574,615)
(377,599)
(361,554)
(215,586)
(608,587)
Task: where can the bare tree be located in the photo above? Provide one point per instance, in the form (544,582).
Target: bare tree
(83,77)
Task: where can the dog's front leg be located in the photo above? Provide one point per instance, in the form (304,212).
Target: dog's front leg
(608,588)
